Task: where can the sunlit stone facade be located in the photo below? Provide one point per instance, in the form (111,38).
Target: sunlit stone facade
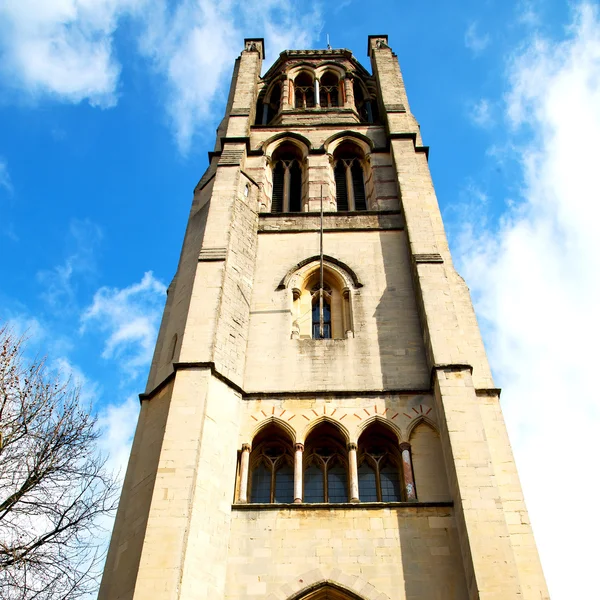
(284,455)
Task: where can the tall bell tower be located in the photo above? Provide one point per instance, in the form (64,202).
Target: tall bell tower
(320,419)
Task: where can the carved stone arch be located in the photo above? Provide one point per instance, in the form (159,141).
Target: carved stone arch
(339,267)
(319,421)
(302,143)
(416,422)
(323,68)
(301,587)
(303,67)
(394,429)
(361,140)
(277,422)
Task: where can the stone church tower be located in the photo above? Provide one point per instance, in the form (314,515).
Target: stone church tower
(320,428)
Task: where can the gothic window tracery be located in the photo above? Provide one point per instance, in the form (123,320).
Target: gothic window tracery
(337,310)
(329,90)
(349,177)
(326,467)
(272,468)
(379,469)
(304,91)
(287,180)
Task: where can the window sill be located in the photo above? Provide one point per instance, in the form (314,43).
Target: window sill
(341,505)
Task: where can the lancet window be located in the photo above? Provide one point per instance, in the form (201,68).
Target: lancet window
(304,91)
(325,466)
(379,470)
(268,106)
(337,310)
(329,91)
(350,191)
(287,180)
(366,107)
(272,468)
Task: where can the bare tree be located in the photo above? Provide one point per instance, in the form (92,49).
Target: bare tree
(55,489)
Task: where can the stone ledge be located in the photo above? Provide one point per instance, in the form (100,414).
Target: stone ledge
(341,505)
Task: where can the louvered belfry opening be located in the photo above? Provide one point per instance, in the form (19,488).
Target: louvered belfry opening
(341,188)
(349,178)
(287,179)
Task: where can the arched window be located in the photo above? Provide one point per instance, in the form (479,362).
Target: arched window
(304,91)
(272,468)
(268,104)
(379,469)
(365,105)
(329,91)
(325,466)
(287,179)
(349,178)
(317,333)
(337,310)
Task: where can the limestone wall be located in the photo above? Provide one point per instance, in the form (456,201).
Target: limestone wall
(385,553)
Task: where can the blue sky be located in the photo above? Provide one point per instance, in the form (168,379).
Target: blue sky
(108,109)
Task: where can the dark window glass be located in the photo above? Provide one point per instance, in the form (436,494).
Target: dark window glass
(358,187)
(278,179)
(261,484)
(337,490)
(284,484)
(390,484)
(295,187)
(317,323)
(367,483)
(313,484)
(341,187)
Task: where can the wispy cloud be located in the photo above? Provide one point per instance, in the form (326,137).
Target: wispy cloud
(66,49)
(129,319)
(5,181)
(474,41)
(481,113)
(59,284)
(62,49)
(536,282)
(118,422)
(193,48)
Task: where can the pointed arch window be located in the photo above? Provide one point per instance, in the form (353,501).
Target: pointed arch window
(287,180)
(350,192)
(379,470)
(304,91)
(325,466)
(329,91)
(272,469)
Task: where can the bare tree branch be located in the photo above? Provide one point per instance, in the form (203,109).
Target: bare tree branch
(54,485)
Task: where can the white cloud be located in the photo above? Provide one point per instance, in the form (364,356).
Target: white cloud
(129,317)
(65,48)
(65,370)
(481,113)
(536,283)
(62,48)
(194,47)
(475,41)
(5,181)
(58,283)
(117,422)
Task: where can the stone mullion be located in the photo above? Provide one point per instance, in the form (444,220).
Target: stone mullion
(353,473)
(298,472)
(244,474)
(408,474)
(349,186)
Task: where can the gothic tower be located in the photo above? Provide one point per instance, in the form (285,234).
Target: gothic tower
(320,421)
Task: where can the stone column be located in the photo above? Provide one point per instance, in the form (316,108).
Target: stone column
(407,471)
(298,472)
(353,473)
(285,94)
(317,94)
(349,93)
(244,473)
